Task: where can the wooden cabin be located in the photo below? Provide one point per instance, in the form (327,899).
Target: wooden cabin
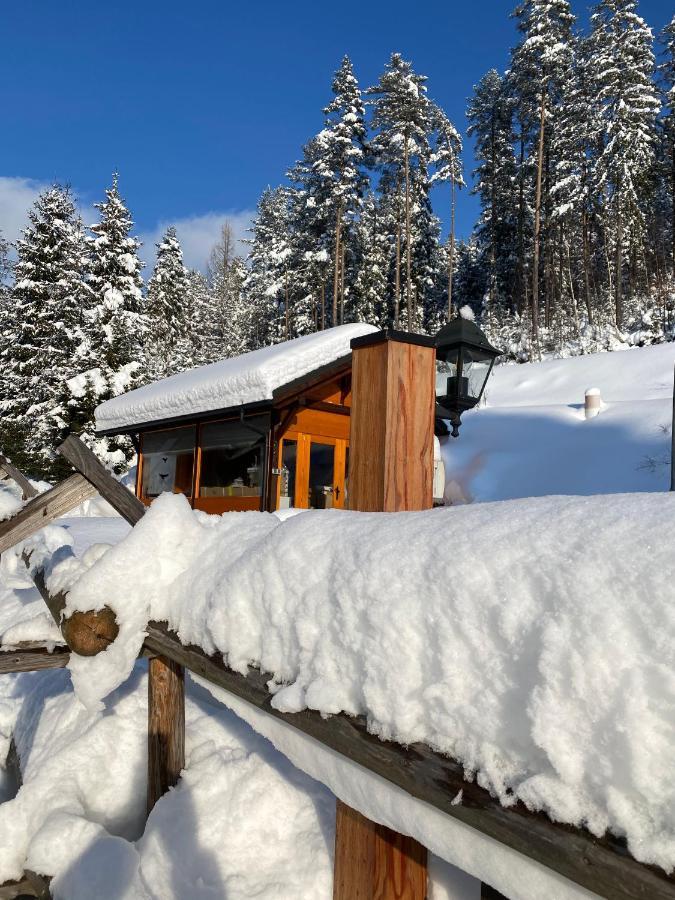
(284,444)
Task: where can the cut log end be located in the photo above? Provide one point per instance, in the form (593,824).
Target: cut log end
(90,633)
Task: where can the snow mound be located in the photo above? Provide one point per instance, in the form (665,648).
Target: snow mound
(249,378)
(533,640)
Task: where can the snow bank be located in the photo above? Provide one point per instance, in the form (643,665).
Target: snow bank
(230,382)
(533,640)
(218,834)
(532,438)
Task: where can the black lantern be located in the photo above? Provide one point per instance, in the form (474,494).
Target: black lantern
(465,356)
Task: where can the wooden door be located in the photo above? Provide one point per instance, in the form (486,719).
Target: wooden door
(312,472)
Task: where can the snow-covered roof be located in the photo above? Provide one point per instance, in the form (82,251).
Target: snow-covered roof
(250,378)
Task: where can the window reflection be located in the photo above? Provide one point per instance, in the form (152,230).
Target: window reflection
(168,458)
(232,455)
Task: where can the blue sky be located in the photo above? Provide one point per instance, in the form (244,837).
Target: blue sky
(200,106)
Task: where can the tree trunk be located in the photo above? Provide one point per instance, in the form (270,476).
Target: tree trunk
(537,226)
(336,271)
(287,316)
(412,314)
(342,285)
(451,254)
(587,268)
(323,305)
(618,261)
(397,281)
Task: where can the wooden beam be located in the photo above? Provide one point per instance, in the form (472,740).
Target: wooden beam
(33,659)
(43,509)
(397,863)
(166,726)
(166,679)
(391,460)
(27,488)
(90,467)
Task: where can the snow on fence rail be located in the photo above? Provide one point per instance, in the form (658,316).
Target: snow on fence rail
(602,865)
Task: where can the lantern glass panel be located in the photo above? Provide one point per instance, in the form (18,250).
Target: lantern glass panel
(476,365)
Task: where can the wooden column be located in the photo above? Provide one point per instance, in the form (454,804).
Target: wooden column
(391,458)
(166,726)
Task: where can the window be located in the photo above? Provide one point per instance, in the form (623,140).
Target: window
(168,458)
(233,455)
(289,458)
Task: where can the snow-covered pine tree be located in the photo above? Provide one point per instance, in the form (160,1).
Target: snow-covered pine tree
(115,278)
(227,319)
(403,123)
(537,79)
(375,262)
(447,159)
(166,346)
(46,345)
(268,286)
(496,183)
(667,72)
(621,46)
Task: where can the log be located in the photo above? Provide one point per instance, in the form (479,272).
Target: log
(43,509)
(600,865)
(27,488)
(91,468)
(33,659)
(89,633)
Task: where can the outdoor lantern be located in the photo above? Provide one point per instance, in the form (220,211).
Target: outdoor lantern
(465,357)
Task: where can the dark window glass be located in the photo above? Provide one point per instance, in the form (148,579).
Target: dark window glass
(233,455)
(321,475)
(289,458)
(168,458)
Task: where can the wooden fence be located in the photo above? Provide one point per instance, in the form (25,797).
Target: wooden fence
(603,866)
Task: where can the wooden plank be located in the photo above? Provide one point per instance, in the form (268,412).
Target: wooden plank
(91,468)
(43,509)
(166,726)
(396,864)
(33,659)
(27,488)
(600,865)
(391,470)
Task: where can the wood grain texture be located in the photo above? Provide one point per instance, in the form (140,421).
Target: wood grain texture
(43,509)
(395,864)
(33,659)
(90,467)
(166,726)
(600,865)
(16,475)
(392,427)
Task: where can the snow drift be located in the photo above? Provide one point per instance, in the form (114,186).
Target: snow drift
(532,640)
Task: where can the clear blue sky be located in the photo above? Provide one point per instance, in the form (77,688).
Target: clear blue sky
(201,105)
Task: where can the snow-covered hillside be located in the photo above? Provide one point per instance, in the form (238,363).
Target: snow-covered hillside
(532,439)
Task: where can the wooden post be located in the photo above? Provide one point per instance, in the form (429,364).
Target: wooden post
(166,679)
(166,726)
(391,452)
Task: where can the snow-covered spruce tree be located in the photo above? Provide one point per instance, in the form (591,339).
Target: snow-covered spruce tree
(375,262)
(113,327)
(667,73)
(268,286)
(495,181)
(537,79)
(46,344)
(621,46)
(447,159)
(115,278)
(168,319)
(226,321)
(402,122)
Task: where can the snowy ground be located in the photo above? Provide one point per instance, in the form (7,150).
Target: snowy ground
(532,438)
(79,815)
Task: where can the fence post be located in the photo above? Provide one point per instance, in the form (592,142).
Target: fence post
(391,461)
(166,679)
